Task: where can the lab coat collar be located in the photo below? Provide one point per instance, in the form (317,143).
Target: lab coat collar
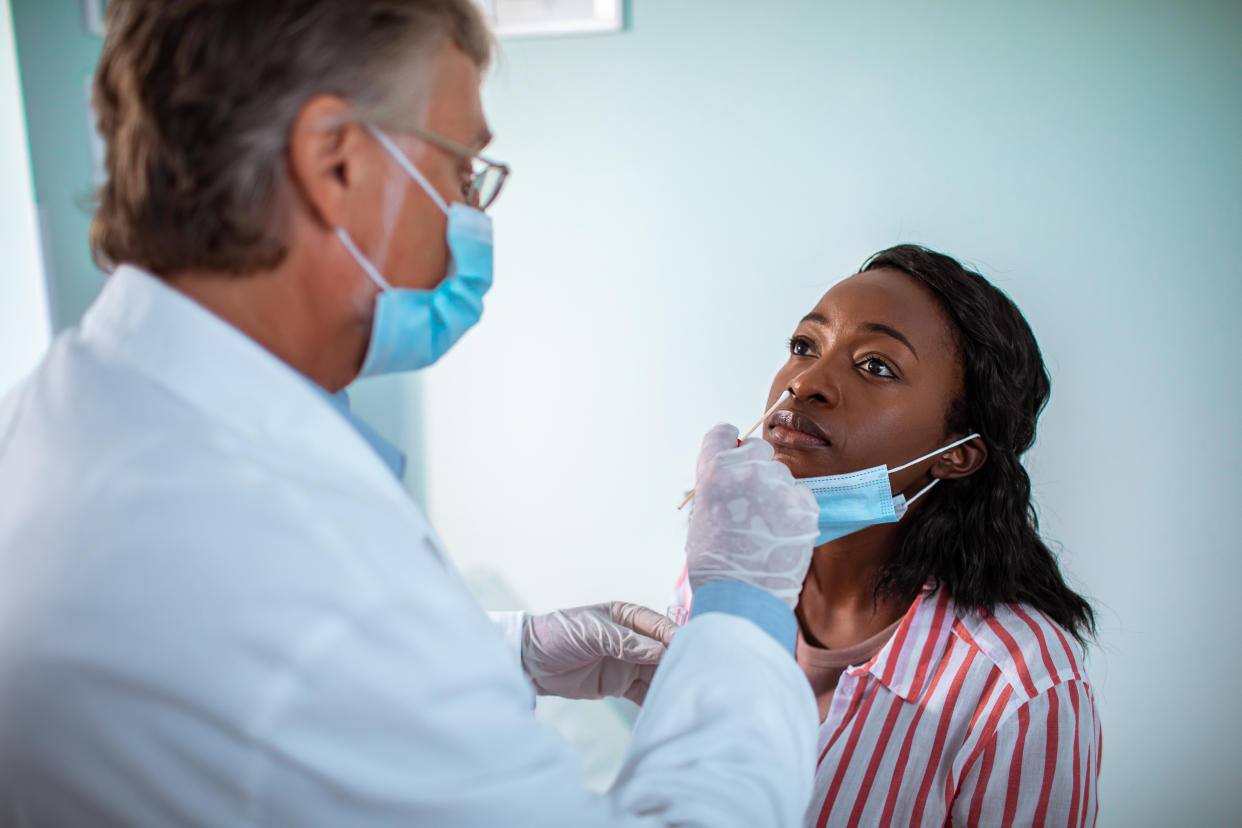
(180,345)
(904,664)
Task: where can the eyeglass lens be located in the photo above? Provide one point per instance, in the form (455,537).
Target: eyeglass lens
(486,184)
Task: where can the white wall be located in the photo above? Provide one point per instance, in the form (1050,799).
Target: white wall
(25,325)
(684,192)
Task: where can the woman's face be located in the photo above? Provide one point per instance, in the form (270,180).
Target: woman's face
(874,370)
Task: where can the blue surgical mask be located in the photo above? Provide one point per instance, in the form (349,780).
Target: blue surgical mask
(413,328)
(849,502)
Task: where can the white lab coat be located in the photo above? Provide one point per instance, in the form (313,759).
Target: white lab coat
(218,607)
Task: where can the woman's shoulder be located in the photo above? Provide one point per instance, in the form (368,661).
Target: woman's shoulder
(1029,649)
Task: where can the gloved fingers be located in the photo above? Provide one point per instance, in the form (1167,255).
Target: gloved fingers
(775,482)
(804,513)
(753,522)
(721,437)
(754,448)
(634,648)
(643,621)
(584,682)
(799,508)
(556,640)
(804,501)
(777,473)
(798,498)
(637,691)
(718,438)
(612,630)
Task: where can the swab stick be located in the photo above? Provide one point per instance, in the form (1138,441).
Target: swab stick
(751,431)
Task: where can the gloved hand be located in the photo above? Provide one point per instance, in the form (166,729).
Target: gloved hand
(595,651)
(752,522)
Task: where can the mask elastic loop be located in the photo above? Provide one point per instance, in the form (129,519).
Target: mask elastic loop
(933,454)
(362,260)
(408,165)
(922,492)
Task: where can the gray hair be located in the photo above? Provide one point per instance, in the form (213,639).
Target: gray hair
(195,100)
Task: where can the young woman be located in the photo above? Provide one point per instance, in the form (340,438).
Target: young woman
(943,646)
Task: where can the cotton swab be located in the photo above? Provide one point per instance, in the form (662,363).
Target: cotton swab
(751,431)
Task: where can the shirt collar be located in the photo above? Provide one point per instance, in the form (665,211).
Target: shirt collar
(905,663)
(392,456)
(196,355)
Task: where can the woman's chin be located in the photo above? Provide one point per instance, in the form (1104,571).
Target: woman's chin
(803,462)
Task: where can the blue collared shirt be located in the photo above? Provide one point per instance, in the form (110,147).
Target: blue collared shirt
(392,456)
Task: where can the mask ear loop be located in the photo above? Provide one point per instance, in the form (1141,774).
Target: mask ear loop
(922,492)
(362,260)
(406,164)
(934,453)
(935,480)
(411,170)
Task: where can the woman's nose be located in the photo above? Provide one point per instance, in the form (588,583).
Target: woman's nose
(816,384)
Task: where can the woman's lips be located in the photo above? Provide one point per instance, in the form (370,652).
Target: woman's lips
(787,437)
(793,430)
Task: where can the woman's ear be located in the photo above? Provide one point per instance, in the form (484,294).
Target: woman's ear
(960,461)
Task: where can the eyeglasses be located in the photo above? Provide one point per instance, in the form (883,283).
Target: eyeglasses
(487,177)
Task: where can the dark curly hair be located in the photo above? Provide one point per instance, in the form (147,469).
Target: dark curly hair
(978,536)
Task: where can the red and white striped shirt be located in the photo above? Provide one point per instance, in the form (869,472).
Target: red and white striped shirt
(962,719)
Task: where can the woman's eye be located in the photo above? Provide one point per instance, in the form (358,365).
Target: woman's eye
(799,346)
(877,367)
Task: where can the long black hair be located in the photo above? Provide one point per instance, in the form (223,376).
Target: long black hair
(978,536)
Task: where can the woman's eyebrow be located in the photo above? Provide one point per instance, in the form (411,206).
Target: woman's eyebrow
(874,327)
(888,330)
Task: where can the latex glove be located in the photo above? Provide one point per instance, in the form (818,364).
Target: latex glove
(595,651)
(752,522)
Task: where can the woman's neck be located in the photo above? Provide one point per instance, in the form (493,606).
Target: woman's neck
(838,606)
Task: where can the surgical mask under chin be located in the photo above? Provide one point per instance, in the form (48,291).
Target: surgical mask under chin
(413,328)
(849,502)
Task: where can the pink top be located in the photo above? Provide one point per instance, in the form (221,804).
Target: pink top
(823,667)
(962,718)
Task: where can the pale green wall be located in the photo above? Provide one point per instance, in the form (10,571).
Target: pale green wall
(684,191)
(24,318)
(56,56)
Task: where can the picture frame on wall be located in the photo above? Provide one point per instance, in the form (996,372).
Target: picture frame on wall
(541,18)
(93,16)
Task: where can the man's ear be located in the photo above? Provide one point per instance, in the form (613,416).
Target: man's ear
(960,461)
(324,145)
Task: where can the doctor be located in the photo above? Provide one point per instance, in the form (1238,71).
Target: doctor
(217,604)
